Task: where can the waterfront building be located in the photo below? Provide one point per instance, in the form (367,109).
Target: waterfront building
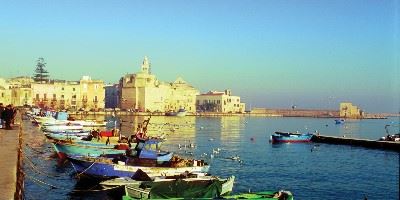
(224,102)
(348,110)
(86,94)
(5,92)
(143,92)
(111,95)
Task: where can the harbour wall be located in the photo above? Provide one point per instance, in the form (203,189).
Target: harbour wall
(385,145)
(11,174)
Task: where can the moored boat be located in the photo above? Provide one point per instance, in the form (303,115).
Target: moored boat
(267,195)
(288,137)
(186,188)
(127,166)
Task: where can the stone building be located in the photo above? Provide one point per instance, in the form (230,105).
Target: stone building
(111,95)
(86,94)
(5,92)
(348,110)
(142,92)
(224,102)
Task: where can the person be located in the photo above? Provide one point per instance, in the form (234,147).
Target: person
(14,114)
(1,115)
(7,116)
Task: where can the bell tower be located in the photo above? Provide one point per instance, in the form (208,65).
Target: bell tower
(146,66)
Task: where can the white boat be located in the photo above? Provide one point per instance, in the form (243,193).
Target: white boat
(62,127)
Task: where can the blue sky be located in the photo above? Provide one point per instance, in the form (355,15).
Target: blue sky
(314,53)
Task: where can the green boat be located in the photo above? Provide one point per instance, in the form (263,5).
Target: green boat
(205,187)
(268,195)
(265,195)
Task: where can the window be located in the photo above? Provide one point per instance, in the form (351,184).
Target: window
(73,89)
(62,88)
(62,96)
(95,98)
(37,96)
(96,86)
(54,96)
(44,96)
(2,94)
(26,95)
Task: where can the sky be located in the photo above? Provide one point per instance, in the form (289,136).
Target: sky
(274,54)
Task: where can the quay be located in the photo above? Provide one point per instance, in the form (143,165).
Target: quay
(11,175)
(385,145)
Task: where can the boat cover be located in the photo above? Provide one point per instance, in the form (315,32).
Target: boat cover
(180,188)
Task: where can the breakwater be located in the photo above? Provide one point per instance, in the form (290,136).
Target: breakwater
(386,145)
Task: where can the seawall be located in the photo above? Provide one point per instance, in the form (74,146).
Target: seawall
(385,145)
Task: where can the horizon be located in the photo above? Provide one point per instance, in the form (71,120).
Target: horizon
(274,54)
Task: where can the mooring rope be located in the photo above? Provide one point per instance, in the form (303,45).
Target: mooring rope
(83,170)
(40,182)
(50,175)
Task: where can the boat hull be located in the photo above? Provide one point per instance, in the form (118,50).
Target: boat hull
(80,150)
(106,170)
(291,138)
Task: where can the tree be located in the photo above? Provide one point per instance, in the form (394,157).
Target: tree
(41,74)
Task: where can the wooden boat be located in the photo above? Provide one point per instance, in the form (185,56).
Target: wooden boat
(180,113)
(339,121)
(64,149)
(63,127)
(267,195)
(288,137)
(126,166)
(186,188)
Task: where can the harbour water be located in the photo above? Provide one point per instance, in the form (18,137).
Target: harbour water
(310,171)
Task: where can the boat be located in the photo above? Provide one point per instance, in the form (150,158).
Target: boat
(64,150)
(288,137)
(126,166)
(267,195)
(62,127)
(339,121)
(185,188)
(180,113)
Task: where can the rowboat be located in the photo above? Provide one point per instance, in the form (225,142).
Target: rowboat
(125,166)
(64,150)
(288,137)
(267,195)
(63,127)
(187,188)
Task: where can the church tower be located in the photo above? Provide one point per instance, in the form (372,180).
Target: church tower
(146,66)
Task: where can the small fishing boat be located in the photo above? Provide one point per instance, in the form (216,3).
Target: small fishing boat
(267,195)
(288,137)
(63,127)
(180,113)
(339,121)
(185,188)
(64,150)
(126,166)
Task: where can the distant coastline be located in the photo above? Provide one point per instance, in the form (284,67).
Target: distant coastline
(313,113)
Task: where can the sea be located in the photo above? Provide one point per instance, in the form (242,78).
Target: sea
(309,170)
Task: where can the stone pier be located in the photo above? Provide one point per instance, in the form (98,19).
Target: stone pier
(9,147)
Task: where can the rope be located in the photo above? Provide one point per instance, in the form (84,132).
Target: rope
(83,170)
(53,175)
(40,182)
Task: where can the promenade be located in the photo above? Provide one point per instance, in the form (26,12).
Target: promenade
(9,144)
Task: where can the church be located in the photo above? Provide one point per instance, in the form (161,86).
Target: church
(143,92)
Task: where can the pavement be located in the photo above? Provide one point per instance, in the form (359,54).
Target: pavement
(8,162)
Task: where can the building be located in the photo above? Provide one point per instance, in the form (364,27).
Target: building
(214,101)
(111,95)
(348,110)
(5,92)
(86,94)
(142,91)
